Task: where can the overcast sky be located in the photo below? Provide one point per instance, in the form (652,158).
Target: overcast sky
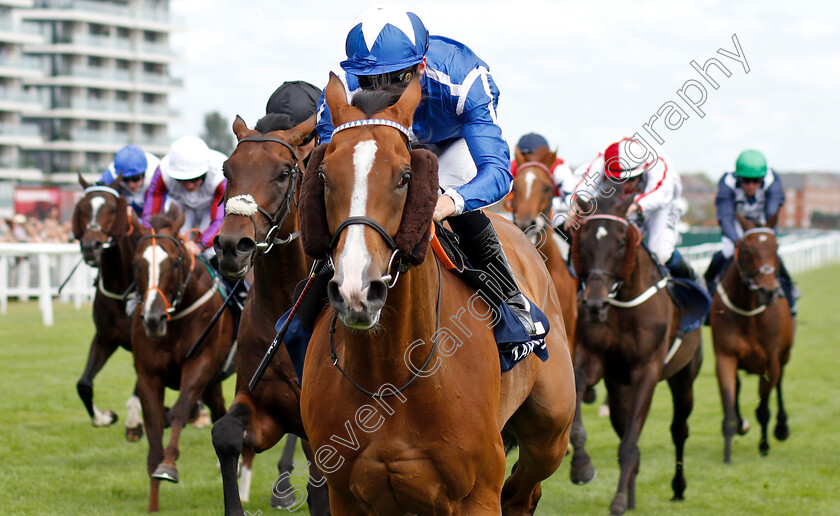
(581,73)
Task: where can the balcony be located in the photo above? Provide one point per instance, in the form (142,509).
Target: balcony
(158,16)
(19,62)
(20,134)
(20,100)
(110,106)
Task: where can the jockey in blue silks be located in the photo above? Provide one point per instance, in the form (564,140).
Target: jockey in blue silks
(136,168)
(456,119)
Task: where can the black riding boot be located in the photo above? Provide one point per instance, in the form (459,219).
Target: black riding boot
(680,268)
(792,292)
(712,274)
(480,243)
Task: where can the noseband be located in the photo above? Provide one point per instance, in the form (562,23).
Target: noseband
(184,281)
(282,212)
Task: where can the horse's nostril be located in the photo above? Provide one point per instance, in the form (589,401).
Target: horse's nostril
(246,246)
(334,295)
(377,292)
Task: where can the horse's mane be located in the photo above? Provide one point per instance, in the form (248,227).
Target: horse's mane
(374,101)
(274,122)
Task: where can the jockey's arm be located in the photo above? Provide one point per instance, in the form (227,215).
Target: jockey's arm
(155,198)
(774,197)
(217,216)
(660,190)
(725,205)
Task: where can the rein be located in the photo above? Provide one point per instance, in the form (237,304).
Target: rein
(185,279)
(417,374)
(245,205)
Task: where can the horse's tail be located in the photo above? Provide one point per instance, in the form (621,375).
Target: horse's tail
(509,441)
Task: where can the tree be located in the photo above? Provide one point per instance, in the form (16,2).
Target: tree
(217,134)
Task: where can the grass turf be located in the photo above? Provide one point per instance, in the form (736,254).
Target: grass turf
(52,461)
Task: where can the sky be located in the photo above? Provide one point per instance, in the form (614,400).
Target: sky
(582,74)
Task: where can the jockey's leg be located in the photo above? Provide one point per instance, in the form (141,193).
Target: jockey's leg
(679,267)
(713,272)
(792,292)
(480,243)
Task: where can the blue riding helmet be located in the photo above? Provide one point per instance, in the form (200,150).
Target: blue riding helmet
(385,38)
(130,161)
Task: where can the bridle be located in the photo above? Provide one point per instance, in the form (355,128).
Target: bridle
(397,259)
(183,276)
(279,217)
(749,277)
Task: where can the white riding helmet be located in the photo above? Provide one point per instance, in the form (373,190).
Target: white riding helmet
(188,158)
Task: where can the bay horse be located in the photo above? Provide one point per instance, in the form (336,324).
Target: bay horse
(625,332)
(100,224)
(752,329)
(178,297)
(260,231)
(530,202)
(393,436)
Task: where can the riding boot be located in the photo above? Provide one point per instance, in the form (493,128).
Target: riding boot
(792,292)
(712,274)
(480,243)
(680,268)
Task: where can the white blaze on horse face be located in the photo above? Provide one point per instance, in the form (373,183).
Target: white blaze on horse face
(601,233)
(154,256)
(96,204)
(355,257)
(762,238)
(530,177)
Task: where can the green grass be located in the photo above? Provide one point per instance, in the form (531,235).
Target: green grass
(52,461)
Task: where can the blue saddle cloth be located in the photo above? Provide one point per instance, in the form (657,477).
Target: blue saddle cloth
(512,339)
(693,302)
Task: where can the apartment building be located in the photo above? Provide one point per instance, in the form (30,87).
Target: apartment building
(90,76)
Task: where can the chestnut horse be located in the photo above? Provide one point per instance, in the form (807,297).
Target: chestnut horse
(261,206)
(179,296)
(393,436)
(530,201)
(100,224)
(752,330)
(626,330)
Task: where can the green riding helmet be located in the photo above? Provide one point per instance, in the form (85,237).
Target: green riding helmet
(751,164)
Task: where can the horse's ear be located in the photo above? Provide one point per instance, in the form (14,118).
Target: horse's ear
(136,223)
(120,225)
(403,110)
(413,235)
(82,181)
(312,211)
(336,97)
(621,208)
(240,128)
(772,221)
(746,224)
(115,184)
(78,230)
(549,159)
(508,202)
(517,156)
(296,134)
(176,216)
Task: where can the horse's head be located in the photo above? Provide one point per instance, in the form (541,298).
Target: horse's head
(99,218)
(162,266)
(532,192)
(756,258)
(368,204)
(604,255)
(262,177)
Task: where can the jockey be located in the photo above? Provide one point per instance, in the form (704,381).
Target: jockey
(191,175)
(534,147)
(136,168)
(298,100)
(456,119)
(756,193)
(655,188)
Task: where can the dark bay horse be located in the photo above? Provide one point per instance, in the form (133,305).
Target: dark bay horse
(530,202)
(402,396)
(260,229)
(178,297)
(626,328)
(752,329)
(100,224)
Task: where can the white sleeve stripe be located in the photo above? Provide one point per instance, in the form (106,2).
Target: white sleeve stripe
(490,95)
(468,82)
(455,89)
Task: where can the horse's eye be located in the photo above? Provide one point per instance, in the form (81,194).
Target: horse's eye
(283,174)
(404,179)
(323,178)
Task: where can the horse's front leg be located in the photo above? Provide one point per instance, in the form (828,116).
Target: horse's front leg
(194,379)
(782,431)
(100,350)
(588,370)
(150,391)
(765,386)
(727,373)
(642,384)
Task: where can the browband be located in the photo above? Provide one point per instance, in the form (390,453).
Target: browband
(373,121)
(101,188)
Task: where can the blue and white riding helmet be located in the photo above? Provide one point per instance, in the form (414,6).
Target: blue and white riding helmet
(130,161)
(385,38)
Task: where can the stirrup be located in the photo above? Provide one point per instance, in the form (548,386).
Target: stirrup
(519,306)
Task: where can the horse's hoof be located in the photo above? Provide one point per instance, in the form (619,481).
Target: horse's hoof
(589,395)
(134,434)
(583,474)
(763,448)
(604,410)
(618,505)
(203,418)
(677,498)
(107,418)
(782,432)
(745,427)
(283,502)
(166,472)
